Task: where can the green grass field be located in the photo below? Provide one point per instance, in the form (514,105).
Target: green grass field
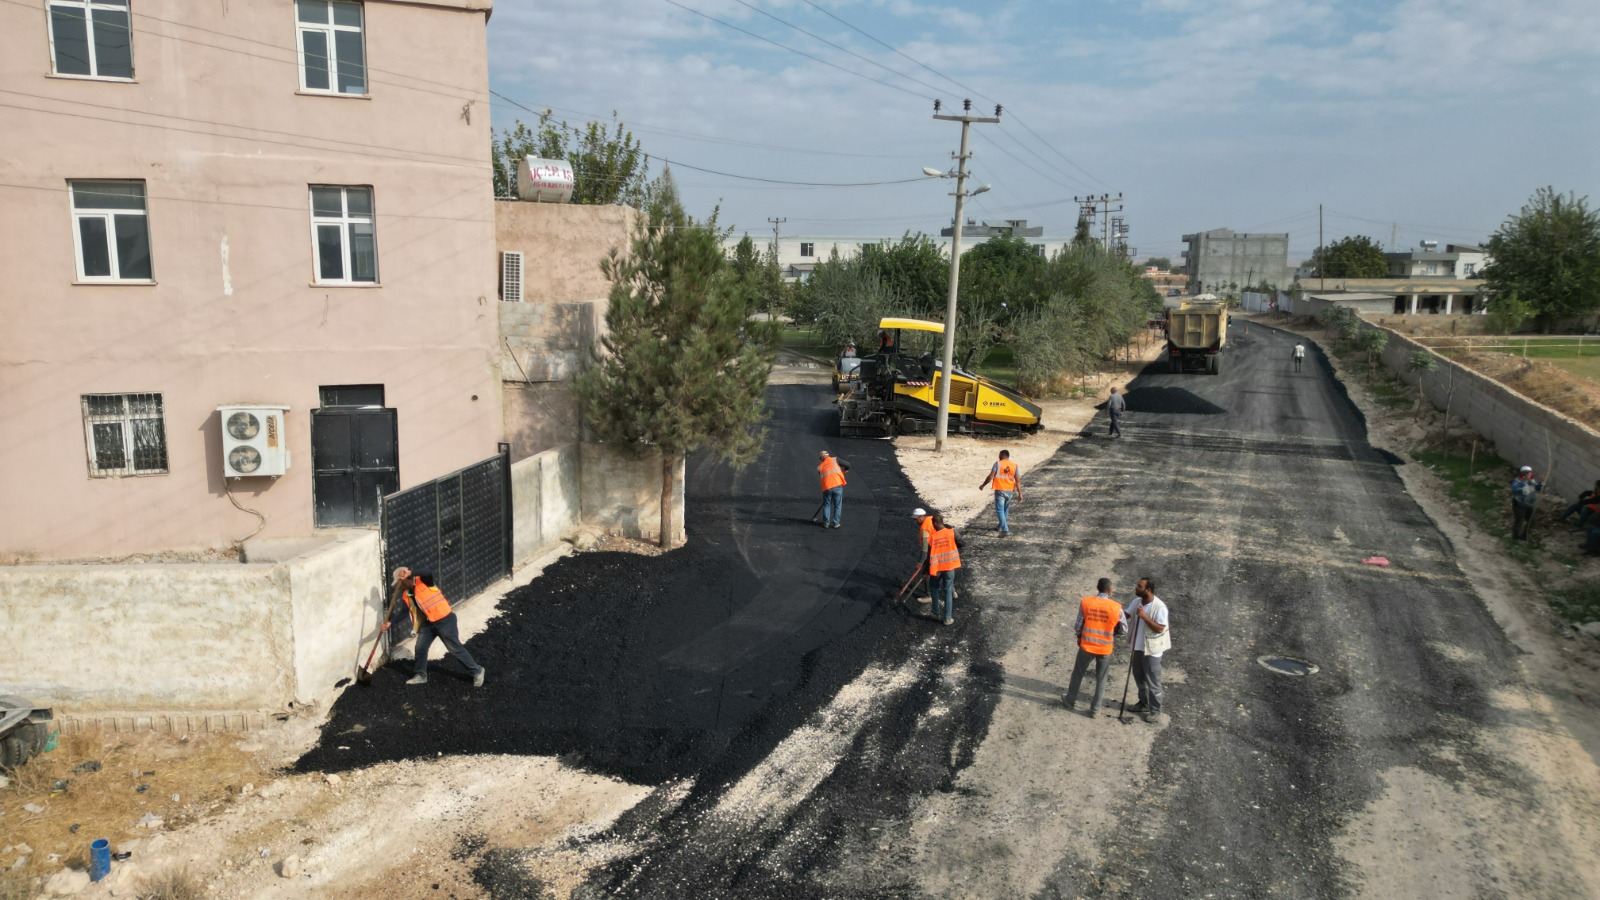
(1580,356)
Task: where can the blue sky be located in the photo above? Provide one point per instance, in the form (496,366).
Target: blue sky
(1408,120)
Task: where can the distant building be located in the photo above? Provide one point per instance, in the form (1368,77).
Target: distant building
(799,255)
(1428,261)
(1222,259)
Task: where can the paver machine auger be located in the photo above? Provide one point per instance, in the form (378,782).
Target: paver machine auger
(898,393)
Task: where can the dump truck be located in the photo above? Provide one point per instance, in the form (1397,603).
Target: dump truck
(1196,333)
(897,392)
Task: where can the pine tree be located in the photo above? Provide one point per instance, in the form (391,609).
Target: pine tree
(682,367)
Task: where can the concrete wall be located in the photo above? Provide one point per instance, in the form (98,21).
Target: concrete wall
(190,637)
(337,603)
(543,346)
(227,147)
(546,503)
(562,245)
(1564,452)
(622,493)
(175,637)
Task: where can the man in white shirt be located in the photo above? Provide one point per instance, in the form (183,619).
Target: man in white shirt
(1299,355)
(1149,617)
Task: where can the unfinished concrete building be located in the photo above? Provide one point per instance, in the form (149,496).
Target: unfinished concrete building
(1222,260)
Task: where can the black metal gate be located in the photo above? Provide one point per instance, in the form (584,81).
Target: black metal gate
(458,527)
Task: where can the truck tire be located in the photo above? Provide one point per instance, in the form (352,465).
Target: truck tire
(1216,365)
(1176,363)
(25,741)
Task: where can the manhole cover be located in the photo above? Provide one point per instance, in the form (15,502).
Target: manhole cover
(1287,665)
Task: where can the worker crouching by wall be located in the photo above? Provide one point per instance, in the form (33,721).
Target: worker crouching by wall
(431,617)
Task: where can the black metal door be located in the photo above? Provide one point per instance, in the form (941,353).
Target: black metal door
(355,458)
(458,527)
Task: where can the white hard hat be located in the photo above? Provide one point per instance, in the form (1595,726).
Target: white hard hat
(918,513)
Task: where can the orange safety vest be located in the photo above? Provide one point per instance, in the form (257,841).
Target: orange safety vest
(927,530)
(942,553)
(832,475)
(430,600)
(1005,476)
(1100,617)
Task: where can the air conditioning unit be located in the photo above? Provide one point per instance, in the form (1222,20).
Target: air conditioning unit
(511,276)
(253,442)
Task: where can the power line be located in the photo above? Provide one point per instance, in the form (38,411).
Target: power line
(958,84)
(205,202)
(694,136)
(363,146)
(836,46)
(894,87)
(203,132)
(294,52)
(685,165)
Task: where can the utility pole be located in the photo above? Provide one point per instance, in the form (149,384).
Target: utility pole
(776,237)
(942,422)
(1092,206)
(1322,279)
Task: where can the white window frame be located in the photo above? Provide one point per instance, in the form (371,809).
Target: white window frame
(1469,270)
(346,246)
(88,7)
(329,31)
(108,215)
(808,249)
(126,419)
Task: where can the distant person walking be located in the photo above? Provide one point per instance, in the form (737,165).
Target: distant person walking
(1007,487)
(944,558)
(1116,406)
(431,617)
(1100,618)
(1149,616)
(1524,497)
(1299,356)
(832,472)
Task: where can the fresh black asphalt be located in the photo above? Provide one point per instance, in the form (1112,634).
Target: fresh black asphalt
(1251,497)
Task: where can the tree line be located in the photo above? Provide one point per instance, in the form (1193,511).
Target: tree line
(1060,316)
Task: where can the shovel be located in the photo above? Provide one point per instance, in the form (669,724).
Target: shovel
(364,675)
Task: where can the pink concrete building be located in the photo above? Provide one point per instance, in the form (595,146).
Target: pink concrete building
(272,203)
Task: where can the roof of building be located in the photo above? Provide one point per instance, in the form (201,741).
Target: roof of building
(1340,296)
(1394,287)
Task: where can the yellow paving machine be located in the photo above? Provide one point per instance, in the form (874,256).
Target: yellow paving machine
(898,393)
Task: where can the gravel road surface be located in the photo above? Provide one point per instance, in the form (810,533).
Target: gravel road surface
(809,739)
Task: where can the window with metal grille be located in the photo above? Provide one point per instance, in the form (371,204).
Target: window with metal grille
(342,235)
(511,275)
(126,434)
(333,54)
(91,38)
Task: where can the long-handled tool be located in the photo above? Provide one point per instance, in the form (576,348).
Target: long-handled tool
(916,576)
(815,515)
(365,675)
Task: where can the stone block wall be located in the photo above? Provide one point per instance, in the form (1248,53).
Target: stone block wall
(1561,450)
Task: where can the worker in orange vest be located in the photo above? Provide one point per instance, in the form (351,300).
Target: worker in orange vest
(431,617)
(1100,619)
(1007,486)
(832,471)
(924,533)
(944,558)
